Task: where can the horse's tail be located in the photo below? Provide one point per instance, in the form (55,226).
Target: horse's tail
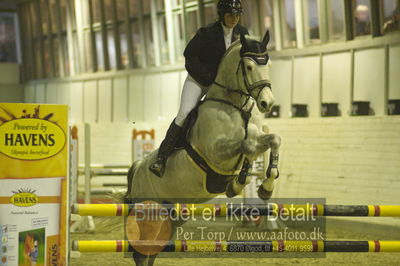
(131,173)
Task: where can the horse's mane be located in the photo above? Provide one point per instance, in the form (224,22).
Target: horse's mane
(236,45)
(233,45)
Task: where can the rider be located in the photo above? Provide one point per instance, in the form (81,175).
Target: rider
(202,57)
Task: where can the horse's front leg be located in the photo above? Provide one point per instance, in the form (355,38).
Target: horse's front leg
(267,187)
(226,149)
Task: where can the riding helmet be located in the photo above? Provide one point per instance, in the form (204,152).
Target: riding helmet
(229,6)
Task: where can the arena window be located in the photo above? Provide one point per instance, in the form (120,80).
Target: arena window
(336,22)
(390,18)
(267,20)
(361,17)
(311,22)
(8,41)
(288,23)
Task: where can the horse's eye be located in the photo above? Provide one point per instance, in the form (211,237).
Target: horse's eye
(249,68)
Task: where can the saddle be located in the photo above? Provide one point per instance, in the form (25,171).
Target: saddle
(215,182)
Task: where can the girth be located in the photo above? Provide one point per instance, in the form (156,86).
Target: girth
(215,182)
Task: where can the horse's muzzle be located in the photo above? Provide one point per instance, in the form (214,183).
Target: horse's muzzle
(264,104)
(261,92)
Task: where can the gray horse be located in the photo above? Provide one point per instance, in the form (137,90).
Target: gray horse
(226,135)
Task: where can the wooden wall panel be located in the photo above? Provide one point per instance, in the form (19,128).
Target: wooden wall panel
(51,93)
(345,160)
(152,97)
(369,78)
(29,94)
(120,99)
(136,98)
(170,97)
(105,100)
(336,80)
(40,93)
(90,111)
(281,73)
(394,70)
(76,102)
(306,83)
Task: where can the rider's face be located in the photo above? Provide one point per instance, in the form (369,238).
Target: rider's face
(231,20)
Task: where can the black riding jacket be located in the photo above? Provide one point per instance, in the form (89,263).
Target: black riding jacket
(205,51)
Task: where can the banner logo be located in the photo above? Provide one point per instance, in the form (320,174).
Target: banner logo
(31,137)
(24,198)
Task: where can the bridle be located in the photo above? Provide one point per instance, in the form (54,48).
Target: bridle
(260,59)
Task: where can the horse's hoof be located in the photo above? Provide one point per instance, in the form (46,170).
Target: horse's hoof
(263,193)
(230,192)
(157,169)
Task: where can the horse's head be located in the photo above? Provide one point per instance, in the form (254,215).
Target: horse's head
(253,70)
(247,60)
(28,244)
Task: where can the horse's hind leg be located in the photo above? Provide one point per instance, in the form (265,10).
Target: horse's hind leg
(236,186)
(140,259)
(267,187)
(151,260)
(129,178)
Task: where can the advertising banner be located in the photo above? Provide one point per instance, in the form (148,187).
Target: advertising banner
(141,148)
(33,184)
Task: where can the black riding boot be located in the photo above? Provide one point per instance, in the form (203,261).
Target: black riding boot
(166,148)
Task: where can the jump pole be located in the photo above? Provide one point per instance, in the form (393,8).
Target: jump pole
(242,246)
(86,224)
(244,209)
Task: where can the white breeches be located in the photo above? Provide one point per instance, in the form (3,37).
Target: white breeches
(192,92)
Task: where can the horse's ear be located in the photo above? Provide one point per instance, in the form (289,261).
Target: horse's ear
(266,38)
(243,40)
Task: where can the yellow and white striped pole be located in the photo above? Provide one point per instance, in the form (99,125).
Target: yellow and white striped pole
(240,209)
(242,246)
